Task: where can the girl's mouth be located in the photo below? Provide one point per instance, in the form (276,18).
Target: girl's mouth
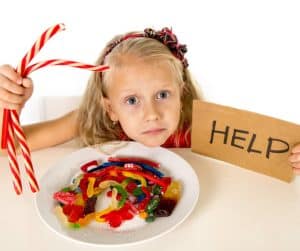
(154,131)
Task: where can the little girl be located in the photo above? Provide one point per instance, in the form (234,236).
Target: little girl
(145,96)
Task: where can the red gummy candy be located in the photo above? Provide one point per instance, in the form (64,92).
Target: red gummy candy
(65,197)
(67,209)
(114,219)
(131,186)
(76,213)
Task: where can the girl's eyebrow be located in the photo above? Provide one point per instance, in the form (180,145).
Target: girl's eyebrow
(129,91)
(135,90)
(168,85)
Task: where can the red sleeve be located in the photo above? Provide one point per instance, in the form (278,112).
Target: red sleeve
(183,140)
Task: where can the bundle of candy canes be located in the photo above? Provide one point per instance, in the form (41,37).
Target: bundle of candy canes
(11,129)
(135,186)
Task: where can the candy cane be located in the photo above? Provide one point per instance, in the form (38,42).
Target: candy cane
(13,164)
(70,63)
(11,124)
(37,46)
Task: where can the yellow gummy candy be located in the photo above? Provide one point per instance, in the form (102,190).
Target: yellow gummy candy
(135,177)
(143,215)
(173,191)
(101,213)
(90,188)
(86,220)
(79,200)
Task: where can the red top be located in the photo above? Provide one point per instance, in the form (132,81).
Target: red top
(181,142)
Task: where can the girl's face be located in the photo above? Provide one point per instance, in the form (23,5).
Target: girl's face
(145,98)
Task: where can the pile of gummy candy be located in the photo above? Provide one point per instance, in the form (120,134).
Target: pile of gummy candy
(135,186)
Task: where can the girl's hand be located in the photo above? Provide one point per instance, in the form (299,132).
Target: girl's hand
(14,90)
(295,159)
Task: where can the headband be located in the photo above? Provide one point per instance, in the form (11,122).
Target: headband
(165,36)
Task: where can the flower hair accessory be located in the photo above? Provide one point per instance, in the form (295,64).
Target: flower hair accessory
(168,38)
(165,36)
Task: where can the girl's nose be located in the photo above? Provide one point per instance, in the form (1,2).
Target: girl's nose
(151,112)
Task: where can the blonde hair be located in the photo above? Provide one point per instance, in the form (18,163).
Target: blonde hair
(94,124)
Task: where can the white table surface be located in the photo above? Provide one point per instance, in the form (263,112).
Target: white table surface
(237,210)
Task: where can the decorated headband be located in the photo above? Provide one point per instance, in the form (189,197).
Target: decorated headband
(165,36)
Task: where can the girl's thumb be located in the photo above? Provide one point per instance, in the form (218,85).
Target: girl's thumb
(27,83)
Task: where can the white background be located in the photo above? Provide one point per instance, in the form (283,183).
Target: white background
(244,54)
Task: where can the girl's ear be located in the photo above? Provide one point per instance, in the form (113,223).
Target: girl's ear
(108,108)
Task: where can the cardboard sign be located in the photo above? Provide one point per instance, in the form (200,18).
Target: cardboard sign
(250,140)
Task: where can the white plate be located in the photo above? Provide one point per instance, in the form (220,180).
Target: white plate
(129,232)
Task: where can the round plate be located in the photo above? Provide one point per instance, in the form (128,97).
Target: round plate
(132,231)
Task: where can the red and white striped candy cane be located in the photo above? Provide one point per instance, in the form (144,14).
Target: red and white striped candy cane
(11,120)
(11,124)
(13,164)
(62,62)
(37,46)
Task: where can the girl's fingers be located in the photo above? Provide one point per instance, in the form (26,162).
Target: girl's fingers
(28,88)
(27,83)
(295,163)
(10,106)
(9,72)
(294,157)
(296,171)
(296,167)
(11,86)
(14,91)
(9,97)
(296,149)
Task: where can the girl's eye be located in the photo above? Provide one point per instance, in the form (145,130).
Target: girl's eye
(132,100)
(163,95)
